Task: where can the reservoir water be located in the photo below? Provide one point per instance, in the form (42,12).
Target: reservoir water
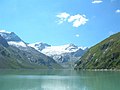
(59,80)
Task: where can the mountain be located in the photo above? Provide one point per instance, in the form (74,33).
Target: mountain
(65,55)
(10,36)
(39,46)
(12,39)
(15,53)
(104,55)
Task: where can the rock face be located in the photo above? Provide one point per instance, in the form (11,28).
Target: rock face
(104,55)
(12,39)
(15,53)
(65,55)
(3,42)
(10,36)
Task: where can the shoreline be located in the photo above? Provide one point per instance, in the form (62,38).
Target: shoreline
(97,69)
(69,69)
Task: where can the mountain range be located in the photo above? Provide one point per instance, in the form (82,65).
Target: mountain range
(40,54)
(16,54)
(65,55)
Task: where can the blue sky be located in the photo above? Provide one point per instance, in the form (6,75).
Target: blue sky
(58,22)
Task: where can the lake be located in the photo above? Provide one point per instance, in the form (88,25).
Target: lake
(59,80)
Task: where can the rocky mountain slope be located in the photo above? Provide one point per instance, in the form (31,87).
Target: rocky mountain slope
(3,42)
(104,55)
(14,53)
(65,55)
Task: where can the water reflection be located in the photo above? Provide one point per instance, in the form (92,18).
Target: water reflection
(60,80)
(65,83)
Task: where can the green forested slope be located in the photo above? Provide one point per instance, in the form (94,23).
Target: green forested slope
(104,55)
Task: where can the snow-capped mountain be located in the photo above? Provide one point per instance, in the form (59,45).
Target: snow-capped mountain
(39,46)
(21,51)
(69,48)
(12,39)
(66,55)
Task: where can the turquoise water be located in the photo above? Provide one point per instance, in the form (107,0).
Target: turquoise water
(59,80)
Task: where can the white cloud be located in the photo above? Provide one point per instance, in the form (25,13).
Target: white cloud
(62,17)
(77,35)
(78,20)
(117,11)
(97,1)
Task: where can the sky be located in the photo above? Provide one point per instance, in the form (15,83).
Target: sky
(59,22)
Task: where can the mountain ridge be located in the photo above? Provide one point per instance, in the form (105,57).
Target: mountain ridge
(65,55)
(104,55)
(22,56)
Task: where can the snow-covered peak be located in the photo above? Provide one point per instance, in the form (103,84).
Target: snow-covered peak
(55,50)
(70,47)
(83,48)
(65,55)
(58,50)
(9,36)
(39,46)
(17,44)
(12,39)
